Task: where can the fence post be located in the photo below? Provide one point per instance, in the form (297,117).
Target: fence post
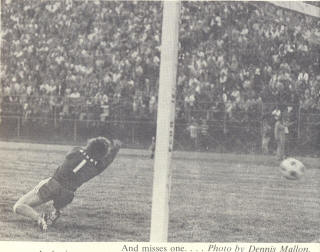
(261,126)
(299,122)
(224,121)
(75,131)
(18,126)
(55,116)
(132,135)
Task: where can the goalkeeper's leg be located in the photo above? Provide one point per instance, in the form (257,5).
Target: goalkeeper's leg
(24,206)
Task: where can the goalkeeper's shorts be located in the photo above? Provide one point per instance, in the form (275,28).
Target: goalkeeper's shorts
(50,189)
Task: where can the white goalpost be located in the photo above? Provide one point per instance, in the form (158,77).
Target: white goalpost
(165,121)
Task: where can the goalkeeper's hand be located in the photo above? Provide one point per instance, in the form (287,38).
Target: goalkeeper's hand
(115,147)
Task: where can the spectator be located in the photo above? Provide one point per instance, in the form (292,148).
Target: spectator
(204,136)
(266,135)
(152,147)
(193,129)
(279,135)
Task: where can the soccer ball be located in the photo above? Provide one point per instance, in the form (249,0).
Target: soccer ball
(292,168)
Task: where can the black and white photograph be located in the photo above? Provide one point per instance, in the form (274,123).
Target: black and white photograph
(160,121)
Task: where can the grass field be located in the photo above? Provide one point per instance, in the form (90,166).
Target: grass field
(214,198)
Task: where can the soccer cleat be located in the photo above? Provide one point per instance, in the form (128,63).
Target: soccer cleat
(52,217)
(42,224)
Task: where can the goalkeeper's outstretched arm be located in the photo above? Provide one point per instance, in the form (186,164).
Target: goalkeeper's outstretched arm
(115,146)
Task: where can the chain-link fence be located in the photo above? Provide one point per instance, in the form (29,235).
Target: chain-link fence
(209,130)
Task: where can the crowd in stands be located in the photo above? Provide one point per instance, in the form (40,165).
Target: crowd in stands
(98,60)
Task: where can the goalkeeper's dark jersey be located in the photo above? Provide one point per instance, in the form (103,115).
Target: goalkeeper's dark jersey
(78,167)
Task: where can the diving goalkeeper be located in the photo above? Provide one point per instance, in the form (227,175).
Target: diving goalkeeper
(79,166)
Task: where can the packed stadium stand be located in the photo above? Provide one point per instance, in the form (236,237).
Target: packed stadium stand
(99,61)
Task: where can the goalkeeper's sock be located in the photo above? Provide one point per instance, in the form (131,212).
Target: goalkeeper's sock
(52,217)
